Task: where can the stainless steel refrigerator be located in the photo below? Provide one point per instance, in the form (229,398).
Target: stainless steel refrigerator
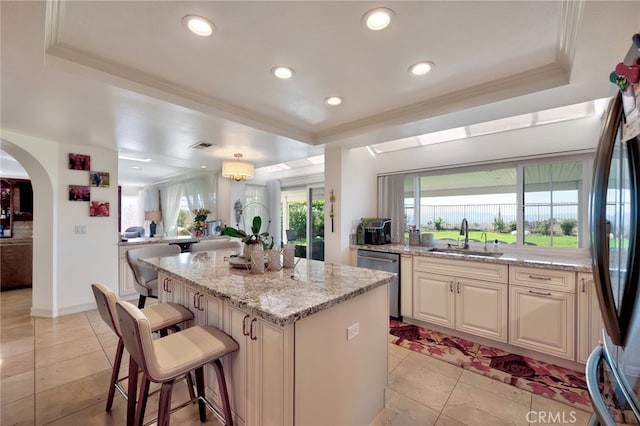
(615,251)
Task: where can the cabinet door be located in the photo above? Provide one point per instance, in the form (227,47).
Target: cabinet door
(169,289)
(270,374)
(406,285)
(589,318)
(125,275)
(236,365)
(481,308)
(212,313)
(434,298)
(542,320)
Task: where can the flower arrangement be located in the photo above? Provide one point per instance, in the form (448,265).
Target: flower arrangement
(200,216)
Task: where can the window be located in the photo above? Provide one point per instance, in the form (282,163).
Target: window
(549,214)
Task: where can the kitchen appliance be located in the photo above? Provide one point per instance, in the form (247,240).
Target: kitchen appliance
(214,228)
(615,243)
(377,231)
(389,262)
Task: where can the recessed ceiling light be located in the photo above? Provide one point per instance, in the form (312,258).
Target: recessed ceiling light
(198,25)
(282,72)
(203,167)
(136,167)
(421,68)
(378,19)
(333,100)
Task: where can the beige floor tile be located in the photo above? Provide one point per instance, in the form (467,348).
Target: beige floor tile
(61,401)
(396,354)
(71,370)
(94,415)
(50,355)
(400,411)
(15,319)
(501,390)
(16,387)
(421,378)
(18,346)
(448,421)
(549,412)
(18,413)
(16,332)
(45,325)
(62,335)
(475,407)
(16,364)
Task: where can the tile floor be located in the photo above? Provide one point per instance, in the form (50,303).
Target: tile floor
(55,372)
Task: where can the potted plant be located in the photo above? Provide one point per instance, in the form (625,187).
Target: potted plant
(254,240)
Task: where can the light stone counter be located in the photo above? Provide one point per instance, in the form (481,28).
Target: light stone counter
(280,297)
(516,258)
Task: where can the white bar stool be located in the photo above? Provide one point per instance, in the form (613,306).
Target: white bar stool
(164,360)
(161,317)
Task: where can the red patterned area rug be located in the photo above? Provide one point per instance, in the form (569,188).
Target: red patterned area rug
(548,380)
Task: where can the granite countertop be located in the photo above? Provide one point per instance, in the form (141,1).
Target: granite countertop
(280,297)
(177,239)
(579,263)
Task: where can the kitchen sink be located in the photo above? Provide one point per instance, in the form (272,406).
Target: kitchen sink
(466,252)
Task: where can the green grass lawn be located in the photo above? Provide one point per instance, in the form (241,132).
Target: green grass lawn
(570,241)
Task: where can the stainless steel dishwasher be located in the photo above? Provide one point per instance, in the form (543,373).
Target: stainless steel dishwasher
(389,262)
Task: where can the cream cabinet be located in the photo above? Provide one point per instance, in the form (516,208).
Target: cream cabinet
(589,327)
(542,310)
(406,285)
(169,289)
(458,299)
(125,274)
(260,373)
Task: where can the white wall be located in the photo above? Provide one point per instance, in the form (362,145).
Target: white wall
(64,263)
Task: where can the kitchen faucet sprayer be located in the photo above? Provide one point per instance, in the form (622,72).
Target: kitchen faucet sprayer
(464,230)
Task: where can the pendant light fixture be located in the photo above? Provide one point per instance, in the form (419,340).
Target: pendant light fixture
(237,170)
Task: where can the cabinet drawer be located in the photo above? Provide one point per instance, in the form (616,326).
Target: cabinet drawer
(462,268)
(543,278)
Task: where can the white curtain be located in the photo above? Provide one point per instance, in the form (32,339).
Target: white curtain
(200,192)
(170,195)
(391,204)
(274,204)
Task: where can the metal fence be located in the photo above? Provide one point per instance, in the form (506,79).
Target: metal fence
(485,216)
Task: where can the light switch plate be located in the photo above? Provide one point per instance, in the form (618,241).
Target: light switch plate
(80,229)
(353,331)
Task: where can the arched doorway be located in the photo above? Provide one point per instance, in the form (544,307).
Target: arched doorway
(44,211)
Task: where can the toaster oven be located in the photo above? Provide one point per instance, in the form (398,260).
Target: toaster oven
(377,231)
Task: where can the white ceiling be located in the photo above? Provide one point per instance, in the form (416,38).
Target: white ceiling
(127,75)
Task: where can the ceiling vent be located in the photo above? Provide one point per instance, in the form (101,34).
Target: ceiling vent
(202,145)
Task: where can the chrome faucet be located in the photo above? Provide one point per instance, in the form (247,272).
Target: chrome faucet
(464,230)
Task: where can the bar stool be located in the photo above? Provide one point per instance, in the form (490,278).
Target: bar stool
(146,277)
(164,360)
(161,317)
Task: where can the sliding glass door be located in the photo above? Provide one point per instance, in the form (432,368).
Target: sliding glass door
(303,220)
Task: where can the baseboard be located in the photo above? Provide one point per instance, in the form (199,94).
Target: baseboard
(48,313)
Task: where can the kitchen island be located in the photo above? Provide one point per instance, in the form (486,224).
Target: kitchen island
(313,339)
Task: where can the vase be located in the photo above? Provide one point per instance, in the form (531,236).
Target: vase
(251,248)
(198,233)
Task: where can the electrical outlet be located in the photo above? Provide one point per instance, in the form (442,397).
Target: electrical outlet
(80,229)
(353,330)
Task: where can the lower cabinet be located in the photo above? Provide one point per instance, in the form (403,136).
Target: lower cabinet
(542,320)
(589,327)
(125,274)
(170,289)
(260,374)
(406,285)
(467,304)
